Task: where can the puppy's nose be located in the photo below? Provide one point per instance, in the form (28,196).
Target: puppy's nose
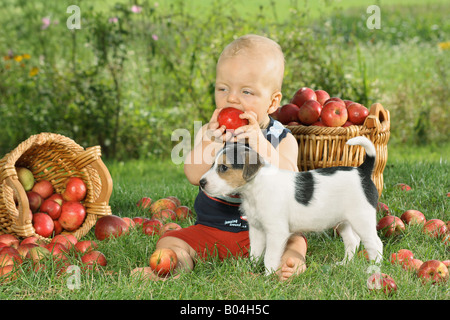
(202,183)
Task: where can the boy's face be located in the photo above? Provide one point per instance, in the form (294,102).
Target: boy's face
(248,85)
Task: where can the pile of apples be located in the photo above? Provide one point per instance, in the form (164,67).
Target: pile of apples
(317,108)
(50,212)
(36,252)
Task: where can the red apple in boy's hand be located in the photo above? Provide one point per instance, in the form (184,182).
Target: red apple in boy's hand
(309,112)
(44,188)
(43,224)
(357,113)
(229,117)
(413,217)
(434,271)
(302,95)
(72,215)
(75,189)
(163,261)
(288,113)
(322,96)
(390,225)
(334,114)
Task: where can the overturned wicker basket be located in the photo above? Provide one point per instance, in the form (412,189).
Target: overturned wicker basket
(322,147)
(55,158)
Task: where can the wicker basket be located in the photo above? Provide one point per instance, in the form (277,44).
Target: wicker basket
(322,147)
(55,158)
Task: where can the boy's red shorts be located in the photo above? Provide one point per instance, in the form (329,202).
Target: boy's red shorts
(209,241)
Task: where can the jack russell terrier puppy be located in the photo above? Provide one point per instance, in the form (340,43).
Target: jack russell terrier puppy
(278,202)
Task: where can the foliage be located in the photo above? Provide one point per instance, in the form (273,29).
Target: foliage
(129,77)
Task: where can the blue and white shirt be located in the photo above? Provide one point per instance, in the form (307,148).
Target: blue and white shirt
(223,212)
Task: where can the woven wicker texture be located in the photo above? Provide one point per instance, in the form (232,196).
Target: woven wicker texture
(55,158)
(323,147)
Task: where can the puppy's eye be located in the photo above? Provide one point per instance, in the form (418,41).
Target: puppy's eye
(222,168)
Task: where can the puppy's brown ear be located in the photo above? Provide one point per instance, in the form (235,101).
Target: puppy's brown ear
(253,162)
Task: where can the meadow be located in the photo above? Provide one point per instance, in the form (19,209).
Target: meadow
(127,84)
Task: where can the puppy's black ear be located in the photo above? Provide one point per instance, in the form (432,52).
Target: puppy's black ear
(253,162)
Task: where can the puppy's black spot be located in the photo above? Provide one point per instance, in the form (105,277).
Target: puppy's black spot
(370,190)
(304,187)
(332,170)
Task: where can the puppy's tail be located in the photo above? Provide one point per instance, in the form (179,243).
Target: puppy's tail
(369,162)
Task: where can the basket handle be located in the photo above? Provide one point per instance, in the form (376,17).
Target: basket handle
(377,116)
(22,199)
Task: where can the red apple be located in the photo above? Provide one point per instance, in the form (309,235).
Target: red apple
(164,215)
(403,186)
(162,204)
(383,209)
(413,217)
(446,239)
(10,251)
(94,258)
(322,96)
(309,112)
(183,212)
(334,114)
(447,263)
(44,188)
(390,225)
(52,208)
(58,198)
(229,117)
(8,273)
(347,124)
(10,259)
(318,124)
(24,248)
(72,215)
(34,200)
(434,271)
(56,248)
(9,240)
(288,113)
(275,114)
(335,99)
(58,227)
(86,246)
(43,224)
(129,222)
(293,123)
(144,202)
(378,281)
(302,95)
(169,226)
(38,253)
(174,199)
(348,102)
(139,220)
(33,240)
(357,113)
(401,256)
(163,261)
(110,227)
(152,227)
(67,240)
(75,189)
(413,264)
(435,228)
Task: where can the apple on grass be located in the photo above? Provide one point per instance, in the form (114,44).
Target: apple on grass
(24,248)
(390,226)
(152,227)
(9,240)
(334,114)
(401,256)
(129,222)
(412,217)
(9,273)
(435,228)
(164,215)
(383,209)
(403,186)
(229,117)
(67,240)
(183,212)
(412,265)
(144,203)
(169,227)
(302,95)
(110,227)
(162,204)
(86,246)
(309,112)
(75,190)
(163,261)
(174,199)
(94,258)
(378,281)
(433,271)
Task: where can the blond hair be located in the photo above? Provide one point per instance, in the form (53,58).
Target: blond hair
(258,47)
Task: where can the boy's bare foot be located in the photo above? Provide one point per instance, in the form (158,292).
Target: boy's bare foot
(292,266)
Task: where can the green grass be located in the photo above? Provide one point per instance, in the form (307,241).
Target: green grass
(239,278)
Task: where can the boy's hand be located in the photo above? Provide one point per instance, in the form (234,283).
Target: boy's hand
(250,133)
